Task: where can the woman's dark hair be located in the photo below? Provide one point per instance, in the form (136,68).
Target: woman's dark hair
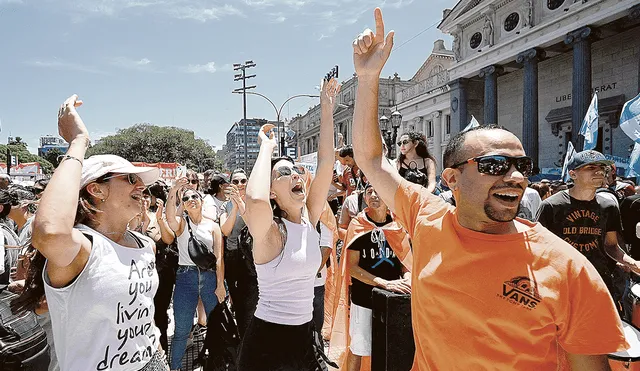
(159,190)
(191,174)
(33,292)
(87,210)
(215,184)
(421,147)
(13,196)
(278,213)
(542,189)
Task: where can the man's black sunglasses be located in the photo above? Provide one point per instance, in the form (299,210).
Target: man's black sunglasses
(498,165)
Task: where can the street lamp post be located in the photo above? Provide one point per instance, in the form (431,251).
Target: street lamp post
(279,112)
(243,76)
(386,133)
(396,121)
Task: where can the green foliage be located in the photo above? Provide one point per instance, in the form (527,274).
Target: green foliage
(52,156)
(20,150)
(150,143)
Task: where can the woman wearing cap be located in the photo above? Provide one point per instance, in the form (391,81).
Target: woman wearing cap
(100,277)
(192,282)
(286,250)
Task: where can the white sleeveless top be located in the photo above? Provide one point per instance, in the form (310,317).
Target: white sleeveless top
(286,283)
(104,319)
(204,233)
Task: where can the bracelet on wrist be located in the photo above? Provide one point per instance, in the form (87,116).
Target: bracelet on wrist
(62,158)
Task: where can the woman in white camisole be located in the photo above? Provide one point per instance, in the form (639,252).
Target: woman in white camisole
(100,278)
(286,250)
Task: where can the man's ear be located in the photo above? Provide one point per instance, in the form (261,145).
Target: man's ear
(1,208)
(572,174)
(452,177)
(272,195)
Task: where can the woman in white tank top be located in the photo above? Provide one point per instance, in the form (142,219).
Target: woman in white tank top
(286,250)
(100,277)
(192,282)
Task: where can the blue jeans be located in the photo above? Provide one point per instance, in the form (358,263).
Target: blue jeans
(191,283)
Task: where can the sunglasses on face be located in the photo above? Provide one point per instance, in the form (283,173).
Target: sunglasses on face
(131,178)
(192,197)
(403,142)
(239,181)
(497,165)
(287,171)
(193,181)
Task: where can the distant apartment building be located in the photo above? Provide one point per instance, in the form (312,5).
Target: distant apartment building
(49,142)
(234,147)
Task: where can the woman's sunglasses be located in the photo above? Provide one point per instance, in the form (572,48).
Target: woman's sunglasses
(239,181)
(193,181)
(499,165)
(131,178)
(192,197)
(403,142)
(287,171)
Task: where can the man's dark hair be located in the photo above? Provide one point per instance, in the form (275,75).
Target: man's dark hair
(455,152)
(12,196)
(346,151)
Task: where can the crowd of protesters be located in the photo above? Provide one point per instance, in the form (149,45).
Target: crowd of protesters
(501,273)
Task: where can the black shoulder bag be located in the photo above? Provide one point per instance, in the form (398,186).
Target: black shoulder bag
(199,252)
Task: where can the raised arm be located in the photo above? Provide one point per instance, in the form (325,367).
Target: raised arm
(370,53)
(54,234)
(165,231)
(218,251)
(175,221)
(324,172)
(259,215)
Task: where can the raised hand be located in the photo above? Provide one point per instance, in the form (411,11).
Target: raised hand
(159,209)
(264,139)
(328,92)
(70,125)
(371,51)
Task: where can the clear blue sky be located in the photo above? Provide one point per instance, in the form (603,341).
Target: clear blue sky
(168,62)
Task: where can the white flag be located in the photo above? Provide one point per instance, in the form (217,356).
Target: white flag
(589,128)
(472,124)
(570,152)
(630,119)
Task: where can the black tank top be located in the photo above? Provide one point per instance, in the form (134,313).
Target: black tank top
(403,170)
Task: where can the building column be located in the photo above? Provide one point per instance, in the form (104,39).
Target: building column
(580,40)
(437,137)
(459,112)
(530,141)
(490,75)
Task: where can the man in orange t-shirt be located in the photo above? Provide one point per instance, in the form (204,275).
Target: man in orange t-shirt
(489,291)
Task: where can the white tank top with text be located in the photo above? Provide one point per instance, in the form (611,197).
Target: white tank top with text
(104,319)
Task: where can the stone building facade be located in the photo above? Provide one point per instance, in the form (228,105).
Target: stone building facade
(307,126)
(533,66)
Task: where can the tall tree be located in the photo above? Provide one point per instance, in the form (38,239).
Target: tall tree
(52,156)
(150,143)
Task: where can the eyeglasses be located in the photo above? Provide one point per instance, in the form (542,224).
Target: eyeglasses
(497,165)
(193,181)
(403,142)
(239,181)
(131,178)
(287,171)
(192,197)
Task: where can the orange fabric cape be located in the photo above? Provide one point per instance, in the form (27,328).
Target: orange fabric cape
(398,239)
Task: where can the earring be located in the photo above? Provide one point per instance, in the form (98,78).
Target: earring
(102,200)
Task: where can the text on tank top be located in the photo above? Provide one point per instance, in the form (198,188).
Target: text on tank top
(286,283)
(104,319)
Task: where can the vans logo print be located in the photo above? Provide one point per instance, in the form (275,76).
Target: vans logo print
(519,291)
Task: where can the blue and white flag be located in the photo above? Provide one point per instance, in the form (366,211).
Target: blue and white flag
(589,128)
(634,162)
(472,124)
(630,119)
(570,152)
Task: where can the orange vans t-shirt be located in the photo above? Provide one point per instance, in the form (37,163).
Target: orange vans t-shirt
(499,302)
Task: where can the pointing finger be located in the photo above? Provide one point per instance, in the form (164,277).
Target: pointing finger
(379,23)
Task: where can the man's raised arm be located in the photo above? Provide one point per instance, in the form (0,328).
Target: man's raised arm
(370,53)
